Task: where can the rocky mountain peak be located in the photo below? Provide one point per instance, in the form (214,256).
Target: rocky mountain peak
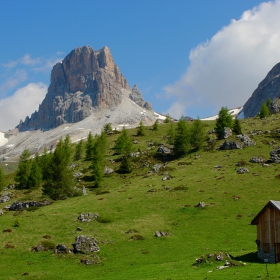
(85,79)
(269,87)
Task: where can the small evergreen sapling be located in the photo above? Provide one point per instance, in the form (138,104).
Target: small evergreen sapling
(224,120)
(141,129)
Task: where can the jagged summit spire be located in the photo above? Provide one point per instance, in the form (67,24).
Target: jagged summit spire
(85,79)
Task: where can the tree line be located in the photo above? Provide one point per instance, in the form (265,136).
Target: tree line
(52,170)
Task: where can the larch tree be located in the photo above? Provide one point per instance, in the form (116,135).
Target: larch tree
(224,120)
(182,138)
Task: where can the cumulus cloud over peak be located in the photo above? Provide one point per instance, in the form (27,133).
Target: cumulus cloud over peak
(225,70)
(21,104)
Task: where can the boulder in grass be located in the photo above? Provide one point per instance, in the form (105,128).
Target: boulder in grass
(242,170)
(85,245)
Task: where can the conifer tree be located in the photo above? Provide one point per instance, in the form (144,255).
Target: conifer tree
(197,134)
(98,160)
(123,144)
(2,180)
(224,120)
(167,119)
(60,179)
(182,138)
(141,129)
(35,176)
(155,126)
(23,170)
(79,150)
(89,147)
(125,166)
(237,127)
(107,128)
(264,111)
(171,135)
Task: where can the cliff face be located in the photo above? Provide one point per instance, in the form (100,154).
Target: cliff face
(268,88)
(84,80)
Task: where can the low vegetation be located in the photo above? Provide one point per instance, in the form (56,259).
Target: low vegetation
(160,192)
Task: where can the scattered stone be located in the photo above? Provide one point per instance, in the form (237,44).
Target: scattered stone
(16,206)
(152,190)
(265,165)
(218,166)
(196,156)
(242,170)
(157,167)
(166,178)
(275,155)
(200,204)
(85,244)
(135,142)
(247,141)
(221,267)
(257,159)
(161,233)
(38,248)
(135,154)
(231,145)
(94,260)
(108,170)
(85,217)
(61,249)
(78,174)
(6,197)
(1,212)
(79,229)
(84,190)
(267,132)
(212,131)
(227,132)
(163,150)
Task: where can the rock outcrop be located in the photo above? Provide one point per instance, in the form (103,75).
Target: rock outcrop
(268,88)
(84,80)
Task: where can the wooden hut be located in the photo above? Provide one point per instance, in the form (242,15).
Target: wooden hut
(268,232)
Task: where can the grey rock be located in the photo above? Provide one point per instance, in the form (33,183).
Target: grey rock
(108,170)
(231,145)
(247,141)
(85,244)
(275,155)
(83,81)
(242,170)
(136,97)
(161,233)
(163,150)
(201,204)
(269,87)
(157,167)
(16,206)
(227,132)
(6,197)
(1,212)
(85,217)
(61,249)
(257,159)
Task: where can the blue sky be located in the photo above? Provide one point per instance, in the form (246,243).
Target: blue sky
(186,57)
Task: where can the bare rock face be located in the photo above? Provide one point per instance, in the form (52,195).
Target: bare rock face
(268,88)
(136,96)
(84,80)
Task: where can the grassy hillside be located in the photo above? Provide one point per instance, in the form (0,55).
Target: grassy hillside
(133,206)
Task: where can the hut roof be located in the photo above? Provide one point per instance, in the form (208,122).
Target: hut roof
(273,203)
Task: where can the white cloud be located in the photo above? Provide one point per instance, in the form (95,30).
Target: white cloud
(21,104)
(225,70)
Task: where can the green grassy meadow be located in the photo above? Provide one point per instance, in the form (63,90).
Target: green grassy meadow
(130,208)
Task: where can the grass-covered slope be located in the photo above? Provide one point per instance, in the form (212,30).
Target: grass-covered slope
(133,206)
